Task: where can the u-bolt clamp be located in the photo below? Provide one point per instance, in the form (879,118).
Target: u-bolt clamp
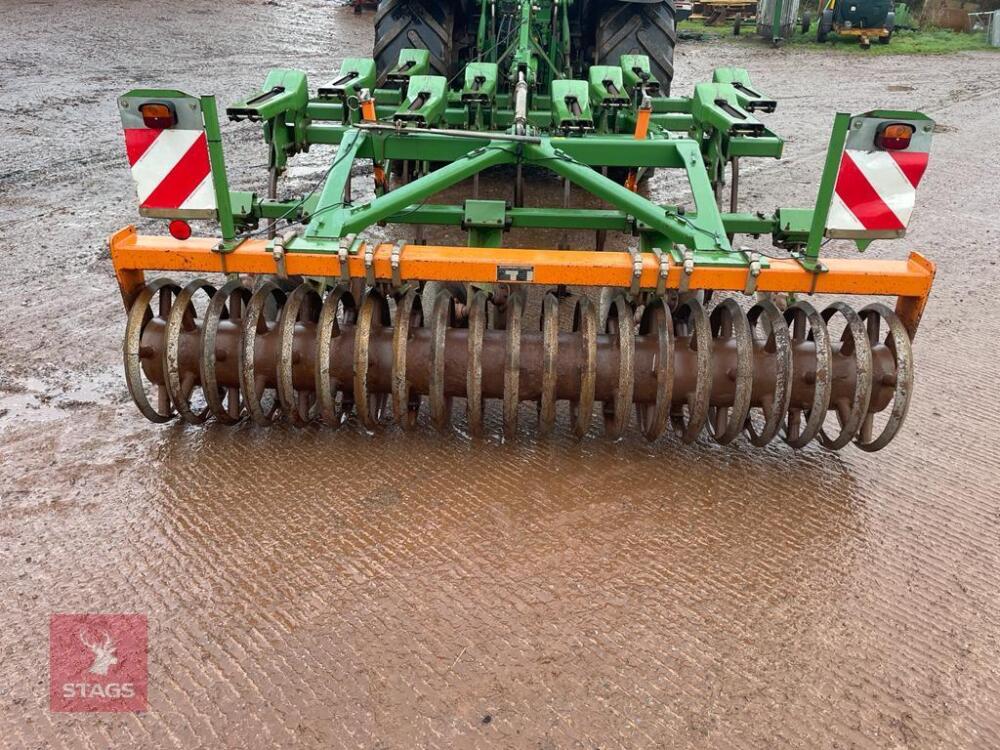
(278,252)
(664,270)
(394,261)
(686,270)
(370,264)
(753,272)
(636,272)
(346,245)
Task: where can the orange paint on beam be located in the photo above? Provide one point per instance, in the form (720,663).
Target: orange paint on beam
(909,279)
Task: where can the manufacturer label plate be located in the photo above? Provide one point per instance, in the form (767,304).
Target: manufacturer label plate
(516,273)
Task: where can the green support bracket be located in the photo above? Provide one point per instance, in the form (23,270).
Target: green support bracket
(281,106)
(356,73)
(638,76)
(524,59)
(486,222)
(746,93)
(426,100)
(412,62)
(336,220)
(220,180)
(330,212)
(480,84)
(716,106)
(838,137)
(704,231)
(607,87)
(571,110)
(791,227)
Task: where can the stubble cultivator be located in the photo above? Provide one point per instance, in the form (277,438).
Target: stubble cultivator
(306,318)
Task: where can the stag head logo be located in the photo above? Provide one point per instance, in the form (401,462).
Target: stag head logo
(104,654)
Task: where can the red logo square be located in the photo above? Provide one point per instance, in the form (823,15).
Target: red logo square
(97,662)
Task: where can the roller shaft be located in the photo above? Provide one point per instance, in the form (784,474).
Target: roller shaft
(731,371)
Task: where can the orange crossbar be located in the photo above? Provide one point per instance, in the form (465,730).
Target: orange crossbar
(910,280)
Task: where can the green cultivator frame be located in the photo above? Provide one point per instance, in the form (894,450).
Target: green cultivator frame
(315,321)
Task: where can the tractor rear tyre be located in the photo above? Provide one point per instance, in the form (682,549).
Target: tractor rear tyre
(417,24)
(639,29)
(825,26)
(890,26)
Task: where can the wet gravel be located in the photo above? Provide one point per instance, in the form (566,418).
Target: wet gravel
(336,589)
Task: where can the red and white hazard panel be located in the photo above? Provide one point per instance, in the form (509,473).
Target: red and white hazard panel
(880,169)
(168,153)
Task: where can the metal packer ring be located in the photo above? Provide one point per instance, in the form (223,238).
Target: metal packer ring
(585,321)
(898,342)
(691,318)
(183,316)
(478,320)
(255,324)
(779,345)
(854,339)
(442,317)
(619,322)
(300,406)
(374,314)
(227,304)
(139,316)
(725,423)
(550,360)
(653,419)
(327,329)
(512,364)
(409,314)
(798,315)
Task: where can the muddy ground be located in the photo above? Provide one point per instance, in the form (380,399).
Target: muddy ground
(342,590)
